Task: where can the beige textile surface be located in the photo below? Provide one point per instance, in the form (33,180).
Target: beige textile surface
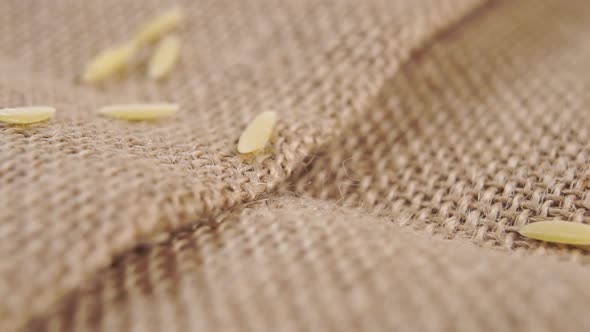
(452,119)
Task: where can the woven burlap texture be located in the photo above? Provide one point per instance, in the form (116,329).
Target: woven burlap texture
(455,118)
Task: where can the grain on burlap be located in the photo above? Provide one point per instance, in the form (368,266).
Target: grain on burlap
(481,131)
(486,130)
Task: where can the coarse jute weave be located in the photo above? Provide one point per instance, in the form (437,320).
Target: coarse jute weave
(403,125)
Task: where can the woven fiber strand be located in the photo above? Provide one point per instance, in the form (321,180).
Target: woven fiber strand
(81,189)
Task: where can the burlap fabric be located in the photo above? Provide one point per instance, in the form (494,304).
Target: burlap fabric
(403,124)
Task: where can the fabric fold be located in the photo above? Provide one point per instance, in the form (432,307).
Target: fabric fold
(482,133)
(296,264)
(80,190)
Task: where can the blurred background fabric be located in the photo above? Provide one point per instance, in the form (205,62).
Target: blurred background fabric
(414,138)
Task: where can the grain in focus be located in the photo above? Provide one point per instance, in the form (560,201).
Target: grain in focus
(26,115)
(257,133)
(558,231)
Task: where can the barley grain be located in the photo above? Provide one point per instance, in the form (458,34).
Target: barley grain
(558,232)
(109,63)
(160,25)
(25,115)
(139,111)
(257,133)
(164,58)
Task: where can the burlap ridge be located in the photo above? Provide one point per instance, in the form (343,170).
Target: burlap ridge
(456,118)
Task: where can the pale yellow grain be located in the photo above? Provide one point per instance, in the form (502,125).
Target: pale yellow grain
(109,63)
(139,111)
(558,232)
(159,26)
(164,58)
(257,133)
(25,115)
